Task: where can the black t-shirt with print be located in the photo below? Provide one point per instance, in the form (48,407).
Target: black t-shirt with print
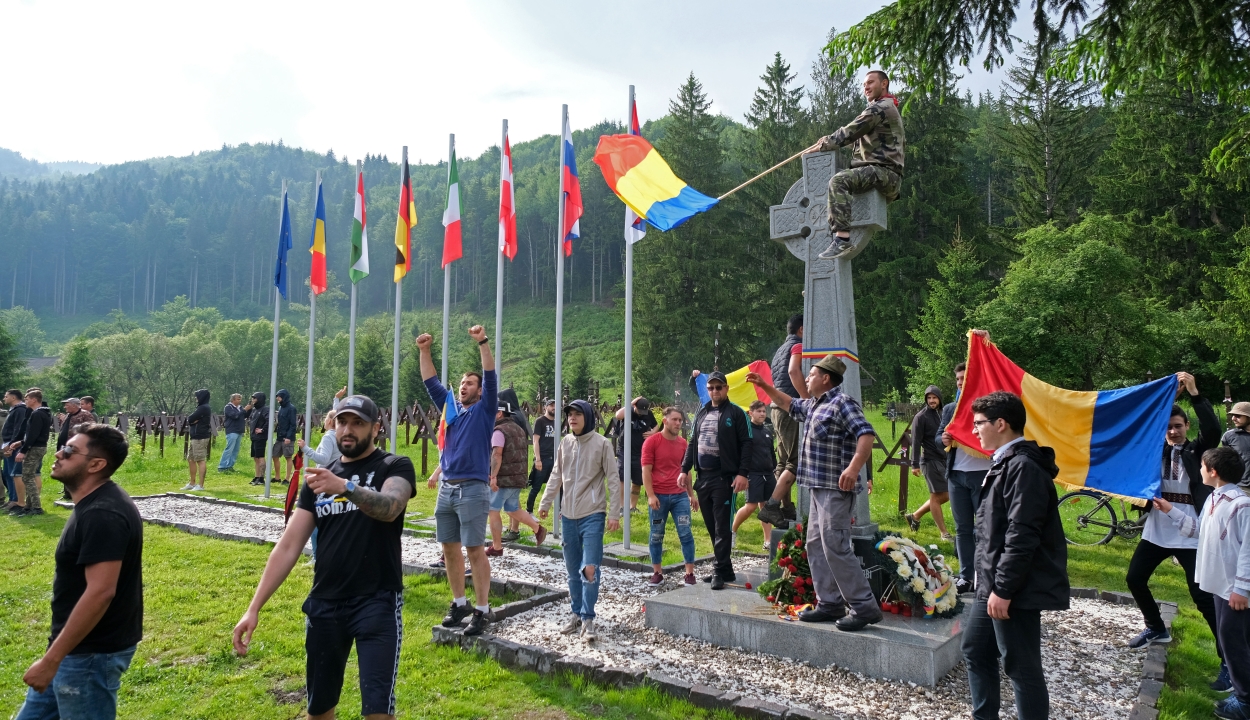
(104,527)
(357,555)
(546,431)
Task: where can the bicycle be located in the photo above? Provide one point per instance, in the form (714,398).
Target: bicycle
(1089,518)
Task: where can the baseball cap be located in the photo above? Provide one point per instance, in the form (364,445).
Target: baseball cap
(360,406)
(505,407)
(643,404)
(76,401)
(717,375)
(1241,408)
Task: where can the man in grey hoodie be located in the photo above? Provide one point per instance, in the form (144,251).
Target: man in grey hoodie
(929,457)
(585,472)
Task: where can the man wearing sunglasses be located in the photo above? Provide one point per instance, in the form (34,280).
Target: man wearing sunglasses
(97,589)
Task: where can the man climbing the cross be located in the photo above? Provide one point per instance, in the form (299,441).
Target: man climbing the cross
(876,162)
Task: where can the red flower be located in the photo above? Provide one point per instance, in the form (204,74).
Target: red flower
(798,543)
(804,554)
(798,584)
(799,527)
(771,598)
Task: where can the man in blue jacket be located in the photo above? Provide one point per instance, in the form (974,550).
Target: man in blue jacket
(235,426)
(463,504)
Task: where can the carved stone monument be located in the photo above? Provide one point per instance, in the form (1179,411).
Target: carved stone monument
(801,221)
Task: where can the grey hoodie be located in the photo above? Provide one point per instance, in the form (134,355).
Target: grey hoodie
(585,471)
(924,431)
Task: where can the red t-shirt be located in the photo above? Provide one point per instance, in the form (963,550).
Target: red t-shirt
(664,456)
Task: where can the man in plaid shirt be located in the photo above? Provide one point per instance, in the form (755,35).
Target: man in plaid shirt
(837,443)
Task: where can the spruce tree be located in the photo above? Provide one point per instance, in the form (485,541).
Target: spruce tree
(373,368)
(11,366)
(76,374)
(578,376)
(960,288)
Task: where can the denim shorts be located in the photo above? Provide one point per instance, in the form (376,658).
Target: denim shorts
(461,511)
(506,499)
(85,686)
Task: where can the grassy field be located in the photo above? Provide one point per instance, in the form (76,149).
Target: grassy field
(184,667)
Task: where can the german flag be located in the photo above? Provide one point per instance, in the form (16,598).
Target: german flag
(404,224)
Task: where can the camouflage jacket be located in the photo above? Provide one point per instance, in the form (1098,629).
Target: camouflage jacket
(877,134)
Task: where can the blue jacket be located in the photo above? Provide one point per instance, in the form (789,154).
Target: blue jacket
(466,455)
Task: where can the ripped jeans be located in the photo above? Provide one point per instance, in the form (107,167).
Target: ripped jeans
(84,688)
(678,505)
(583,547)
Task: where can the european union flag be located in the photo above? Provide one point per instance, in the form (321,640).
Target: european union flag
(284,244)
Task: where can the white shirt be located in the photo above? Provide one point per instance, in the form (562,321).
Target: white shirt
(1165,531)
(1223,563)
(1001,451)
(967,463)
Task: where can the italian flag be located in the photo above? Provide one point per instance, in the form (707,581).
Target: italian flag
(360,234)
(452,248)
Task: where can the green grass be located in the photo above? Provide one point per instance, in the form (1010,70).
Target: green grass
(184,667)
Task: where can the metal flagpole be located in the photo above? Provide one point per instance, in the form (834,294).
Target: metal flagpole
(559,393)
(628,400)
(351,324)
(451,148)
(273,367)
(312,337)
(399,301)
(499,270)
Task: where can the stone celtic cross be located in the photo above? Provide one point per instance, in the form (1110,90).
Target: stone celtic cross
(801,222)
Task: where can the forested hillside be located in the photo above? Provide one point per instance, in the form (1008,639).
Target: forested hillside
(1090,236)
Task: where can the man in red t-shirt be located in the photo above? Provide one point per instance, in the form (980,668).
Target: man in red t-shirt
(662,455)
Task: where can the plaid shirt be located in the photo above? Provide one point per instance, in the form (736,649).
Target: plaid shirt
(835,423)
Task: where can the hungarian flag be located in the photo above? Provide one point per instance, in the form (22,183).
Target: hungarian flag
(452,247)
(507,203)
(635,227)
(360,234)
(404,224)
(572,198)
(317,245)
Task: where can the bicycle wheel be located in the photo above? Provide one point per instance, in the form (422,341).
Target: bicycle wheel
(1087,517)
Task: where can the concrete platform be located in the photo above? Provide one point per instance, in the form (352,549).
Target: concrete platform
(898,648)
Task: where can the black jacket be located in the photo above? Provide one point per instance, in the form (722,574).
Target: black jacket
(763,452)
(924,432)
(1209,433)
(38,428)
(200,422)
(948,413)
(15,424)
(258,419)
(1022,555)
(287,418)
(236,419)
(733,436)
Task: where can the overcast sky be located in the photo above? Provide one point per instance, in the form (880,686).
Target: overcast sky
(125,80)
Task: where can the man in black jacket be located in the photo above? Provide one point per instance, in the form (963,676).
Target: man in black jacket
(258,430)
(32,447)
(924,445)
(14,429)
(721,451)
(1021,562)
(284,437)
(199,430)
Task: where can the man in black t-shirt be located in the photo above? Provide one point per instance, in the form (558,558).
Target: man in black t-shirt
(643,426)
(97,591)
(545,432)
(356,504)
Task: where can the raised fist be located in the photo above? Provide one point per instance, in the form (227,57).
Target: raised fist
(478,333)
(425,341)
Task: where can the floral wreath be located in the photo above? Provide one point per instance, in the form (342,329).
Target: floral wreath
(793,590)
(918,579)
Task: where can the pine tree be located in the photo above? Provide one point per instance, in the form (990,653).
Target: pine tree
(373,368)
(836,98)
(960,288)
(579,376)
(12,368)
(76,374)
(541,374)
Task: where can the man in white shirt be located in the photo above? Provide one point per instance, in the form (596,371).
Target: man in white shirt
(964,473)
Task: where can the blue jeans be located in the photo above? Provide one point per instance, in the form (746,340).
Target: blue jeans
(228,456)
(583,546)
(678,505)
(965,490)
(84,688)
(9,470)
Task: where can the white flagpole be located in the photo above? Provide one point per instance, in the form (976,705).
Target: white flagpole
(399,302)
(273,368)
(451,149)
(499,268)
(312,336)
(351,325)
(559,390)
(627,401)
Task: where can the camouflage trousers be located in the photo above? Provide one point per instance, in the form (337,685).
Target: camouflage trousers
(32,465)
(853,181)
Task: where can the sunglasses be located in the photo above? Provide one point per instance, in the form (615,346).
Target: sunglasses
(70,451)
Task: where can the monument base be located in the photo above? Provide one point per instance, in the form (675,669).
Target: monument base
(911,649)
(618,550)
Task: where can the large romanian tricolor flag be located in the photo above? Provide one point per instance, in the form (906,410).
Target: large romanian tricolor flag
(741,392)
(572,198)
(644,182)
(1106,440)
(317,245)
(453,245)
(635,227)
(451,411)
(404,224)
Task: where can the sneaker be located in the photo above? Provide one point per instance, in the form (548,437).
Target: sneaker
(1224,682)
(477,624)
(492,552)
(948,537)
(18,511)
(541,535)
(837,248)
(656,579)
(198,488)
(962,586)
(573,625)
(766,549)
(510,536)
(456,613)
(588,630)
(188,486)
(439,563)
(1150,637)
(912,522)
(1232,709)
(30,513)
(689,579)
(257,481)
(771,513)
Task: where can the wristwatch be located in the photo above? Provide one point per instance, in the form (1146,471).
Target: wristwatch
(349,488)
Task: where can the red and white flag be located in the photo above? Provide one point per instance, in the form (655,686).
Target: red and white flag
(507,203)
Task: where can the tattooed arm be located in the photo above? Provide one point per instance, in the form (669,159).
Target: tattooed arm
(385,504)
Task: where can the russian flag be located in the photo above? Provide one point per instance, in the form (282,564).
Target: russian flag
(572,190)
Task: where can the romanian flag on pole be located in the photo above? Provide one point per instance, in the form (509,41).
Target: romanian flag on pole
(635,228)
(404,224)
(360,234)
(572,191)
(507,203)
(1106,440)
(741,392)
(644,182)
(317,245)
(453,248)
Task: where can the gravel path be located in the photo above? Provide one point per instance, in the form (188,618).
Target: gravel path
(1090,671)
